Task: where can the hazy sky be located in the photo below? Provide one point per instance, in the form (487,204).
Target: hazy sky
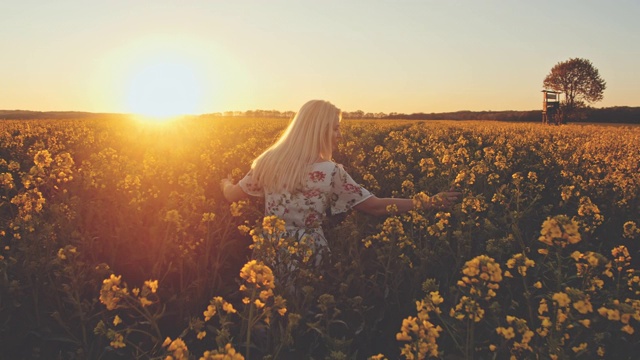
(377,56)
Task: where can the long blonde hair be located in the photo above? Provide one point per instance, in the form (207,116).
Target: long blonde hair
(285,165)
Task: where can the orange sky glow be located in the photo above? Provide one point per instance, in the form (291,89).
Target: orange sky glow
(169,57)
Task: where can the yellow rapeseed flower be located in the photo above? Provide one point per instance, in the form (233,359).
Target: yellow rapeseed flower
(208,217)
(377,357)
(585,322)
(144,301)
(209,313)
(42,159)
(583,306)
(152,285)
(559,231)
(630,230)
(507,333)
(259,274)
(561,298)
(118,341)
(228,308)
(228,353)
(179,349)
(581,347)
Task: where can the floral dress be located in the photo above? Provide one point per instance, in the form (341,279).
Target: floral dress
(329,190)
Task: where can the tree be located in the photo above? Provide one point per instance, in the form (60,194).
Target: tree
(579,81)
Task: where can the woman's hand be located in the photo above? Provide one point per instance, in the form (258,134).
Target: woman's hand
(445,199)
(232,192)
(225,182)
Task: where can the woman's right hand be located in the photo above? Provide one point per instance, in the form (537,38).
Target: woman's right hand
(445,199)
(224,182)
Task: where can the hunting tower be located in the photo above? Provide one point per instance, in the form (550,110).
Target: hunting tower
(550,106)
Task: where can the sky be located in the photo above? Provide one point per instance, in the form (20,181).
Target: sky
(204,56)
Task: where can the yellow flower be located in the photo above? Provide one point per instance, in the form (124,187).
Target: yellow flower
(610,314)
(118,341)
(585,322)
(116,320)
(236,208)
(179,349)
(42,159)
(257,273)
(201,335)
(166,342)
(630,229)
(403,336)
(209,313)
(561,298)
(559,231)
(521,262)
(228,308)
(228,353)
(208,217)
(272,225)
(507,333)
(173,216)
(244,229)
(111,292)
(435,297)
(145,302)
(537,285)
(543,307)
(377,357)
(581,347)
(152,285)
(583,306)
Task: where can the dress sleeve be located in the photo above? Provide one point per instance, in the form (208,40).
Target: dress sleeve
(345,192)
(249,186)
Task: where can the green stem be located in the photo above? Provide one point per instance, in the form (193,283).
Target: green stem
(470,338)
(450,331)
(558,270)
(527,296)
(137,306)
(250,323)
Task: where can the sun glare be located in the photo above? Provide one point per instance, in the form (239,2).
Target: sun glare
(164,88)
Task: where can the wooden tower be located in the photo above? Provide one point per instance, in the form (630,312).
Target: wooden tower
(550,106)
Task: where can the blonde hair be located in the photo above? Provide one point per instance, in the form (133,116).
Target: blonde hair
(285,165)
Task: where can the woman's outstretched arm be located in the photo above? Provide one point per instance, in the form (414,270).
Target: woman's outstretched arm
(379,206)
(232,192)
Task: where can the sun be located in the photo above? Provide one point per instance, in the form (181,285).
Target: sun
(164,87)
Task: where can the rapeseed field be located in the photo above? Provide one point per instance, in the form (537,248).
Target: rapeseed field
(116,243)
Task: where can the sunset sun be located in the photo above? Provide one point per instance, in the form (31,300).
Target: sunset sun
(164,88)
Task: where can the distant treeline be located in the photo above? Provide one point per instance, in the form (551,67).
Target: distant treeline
(618,114)
(55,115)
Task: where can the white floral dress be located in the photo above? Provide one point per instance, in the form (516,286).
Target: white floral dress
(329,190)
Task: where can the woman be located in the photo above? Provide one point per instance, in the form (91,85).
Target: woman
(301,184)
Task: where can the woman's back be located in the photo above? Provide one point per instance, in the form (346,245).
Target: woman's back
(328,189)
